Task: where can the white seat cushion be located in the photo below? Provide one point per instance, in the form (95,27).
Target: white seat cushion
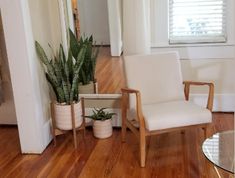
(174,114)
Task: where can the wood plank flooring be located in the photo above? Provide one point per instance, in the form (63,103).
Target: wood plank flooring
(109,72)
(171,155)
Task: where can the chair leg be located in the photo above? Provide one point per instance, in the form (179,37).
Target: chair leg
(123,133)
(124,110)
(148,142)
(123,128)
(207,131)
(73,126)
(142,149)
(75,138)
(83,115)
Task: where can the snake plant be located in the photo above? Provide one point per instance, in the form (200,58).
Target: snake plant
(63,73)
(100,114)
(87,72)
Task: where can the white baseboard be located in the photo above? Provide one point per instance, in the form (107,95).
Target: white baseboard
(46,139)
(222,102)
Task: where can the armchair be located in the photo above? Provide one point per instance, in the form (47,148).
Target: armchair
(157,98)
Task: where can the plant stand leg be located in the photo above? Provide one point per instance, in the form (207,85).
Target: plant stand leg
(83,117)
(53,123)
(73,126)
(95,84)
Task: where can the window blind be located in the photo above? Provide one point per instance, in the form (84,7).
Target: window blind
(197,21)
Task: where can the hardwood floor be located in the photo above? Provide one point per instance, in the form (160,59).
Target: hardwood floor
(171,155)
(109,73)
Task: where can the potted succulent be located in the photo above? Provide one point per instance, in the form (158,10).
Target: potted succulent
(87,81)
(102,125)
(63,74)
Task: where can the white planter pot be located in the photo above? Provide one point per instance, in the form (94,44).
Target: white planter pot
(63,116)
(103,129)
(90,88)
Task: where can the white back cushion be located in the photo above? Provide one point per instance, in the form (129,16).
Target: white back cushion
(157,76)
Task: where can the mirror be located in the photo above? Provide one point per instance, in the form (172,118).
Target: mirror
(91,17)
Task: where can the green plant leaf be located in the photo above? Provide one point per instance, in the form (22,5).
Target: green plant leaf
(74,45)
(62,73)
(100,114)
(77,68)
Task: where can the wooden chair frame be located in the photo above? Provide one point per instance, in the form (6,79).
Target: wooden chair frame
(142,132)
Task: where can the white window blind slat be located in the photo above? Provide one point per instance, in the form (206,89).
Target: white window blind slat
(197,21)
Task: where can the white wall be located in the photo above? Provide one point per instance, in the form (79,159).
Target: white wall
(219,71)
(210,64)
(46,29)
(45,19)
(93,16)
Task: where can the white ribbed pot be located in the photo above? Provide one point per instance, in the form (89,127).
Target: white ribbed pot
(90,88)
(102,129)
(63,115)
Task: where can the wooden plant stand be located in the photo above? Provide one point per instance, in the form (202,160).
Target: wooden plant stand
(56,131)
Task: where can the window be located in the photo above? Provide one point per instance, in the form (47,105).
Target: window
(197,21)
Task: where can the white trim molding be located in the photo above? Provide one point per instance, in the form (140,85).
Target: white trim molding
(63,25)
(70,15)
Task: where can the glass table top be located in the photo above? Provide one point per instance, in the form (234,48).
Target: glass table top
(219,149)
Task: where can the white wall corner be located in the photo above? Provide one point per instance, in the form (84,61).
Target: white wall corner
(115,26)
(70,15)
(21,56)
(47,136)
(63,25)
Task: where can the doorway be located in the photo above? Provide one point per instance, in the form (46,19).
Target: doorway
(7,105)
(9,142)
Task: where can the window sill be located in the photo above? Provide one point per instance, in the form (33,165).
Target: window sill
(167,45)
(199,51)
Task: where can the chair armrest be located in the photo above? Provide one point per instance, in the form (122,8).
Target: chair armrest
(211,91)
(125,94)
(129,90)
(197,83)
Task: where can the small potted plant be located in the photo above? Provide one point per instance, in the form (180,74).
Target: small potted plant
(87,81)
(63,74)
(102,125)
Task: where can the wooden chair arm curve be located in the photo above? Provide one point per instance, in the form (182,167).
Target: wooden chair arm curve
(125,93)
(129,90)
(197,83)
(210,95)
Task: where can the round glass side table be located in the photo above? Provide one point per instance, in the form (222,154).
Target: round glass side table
(219,150)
